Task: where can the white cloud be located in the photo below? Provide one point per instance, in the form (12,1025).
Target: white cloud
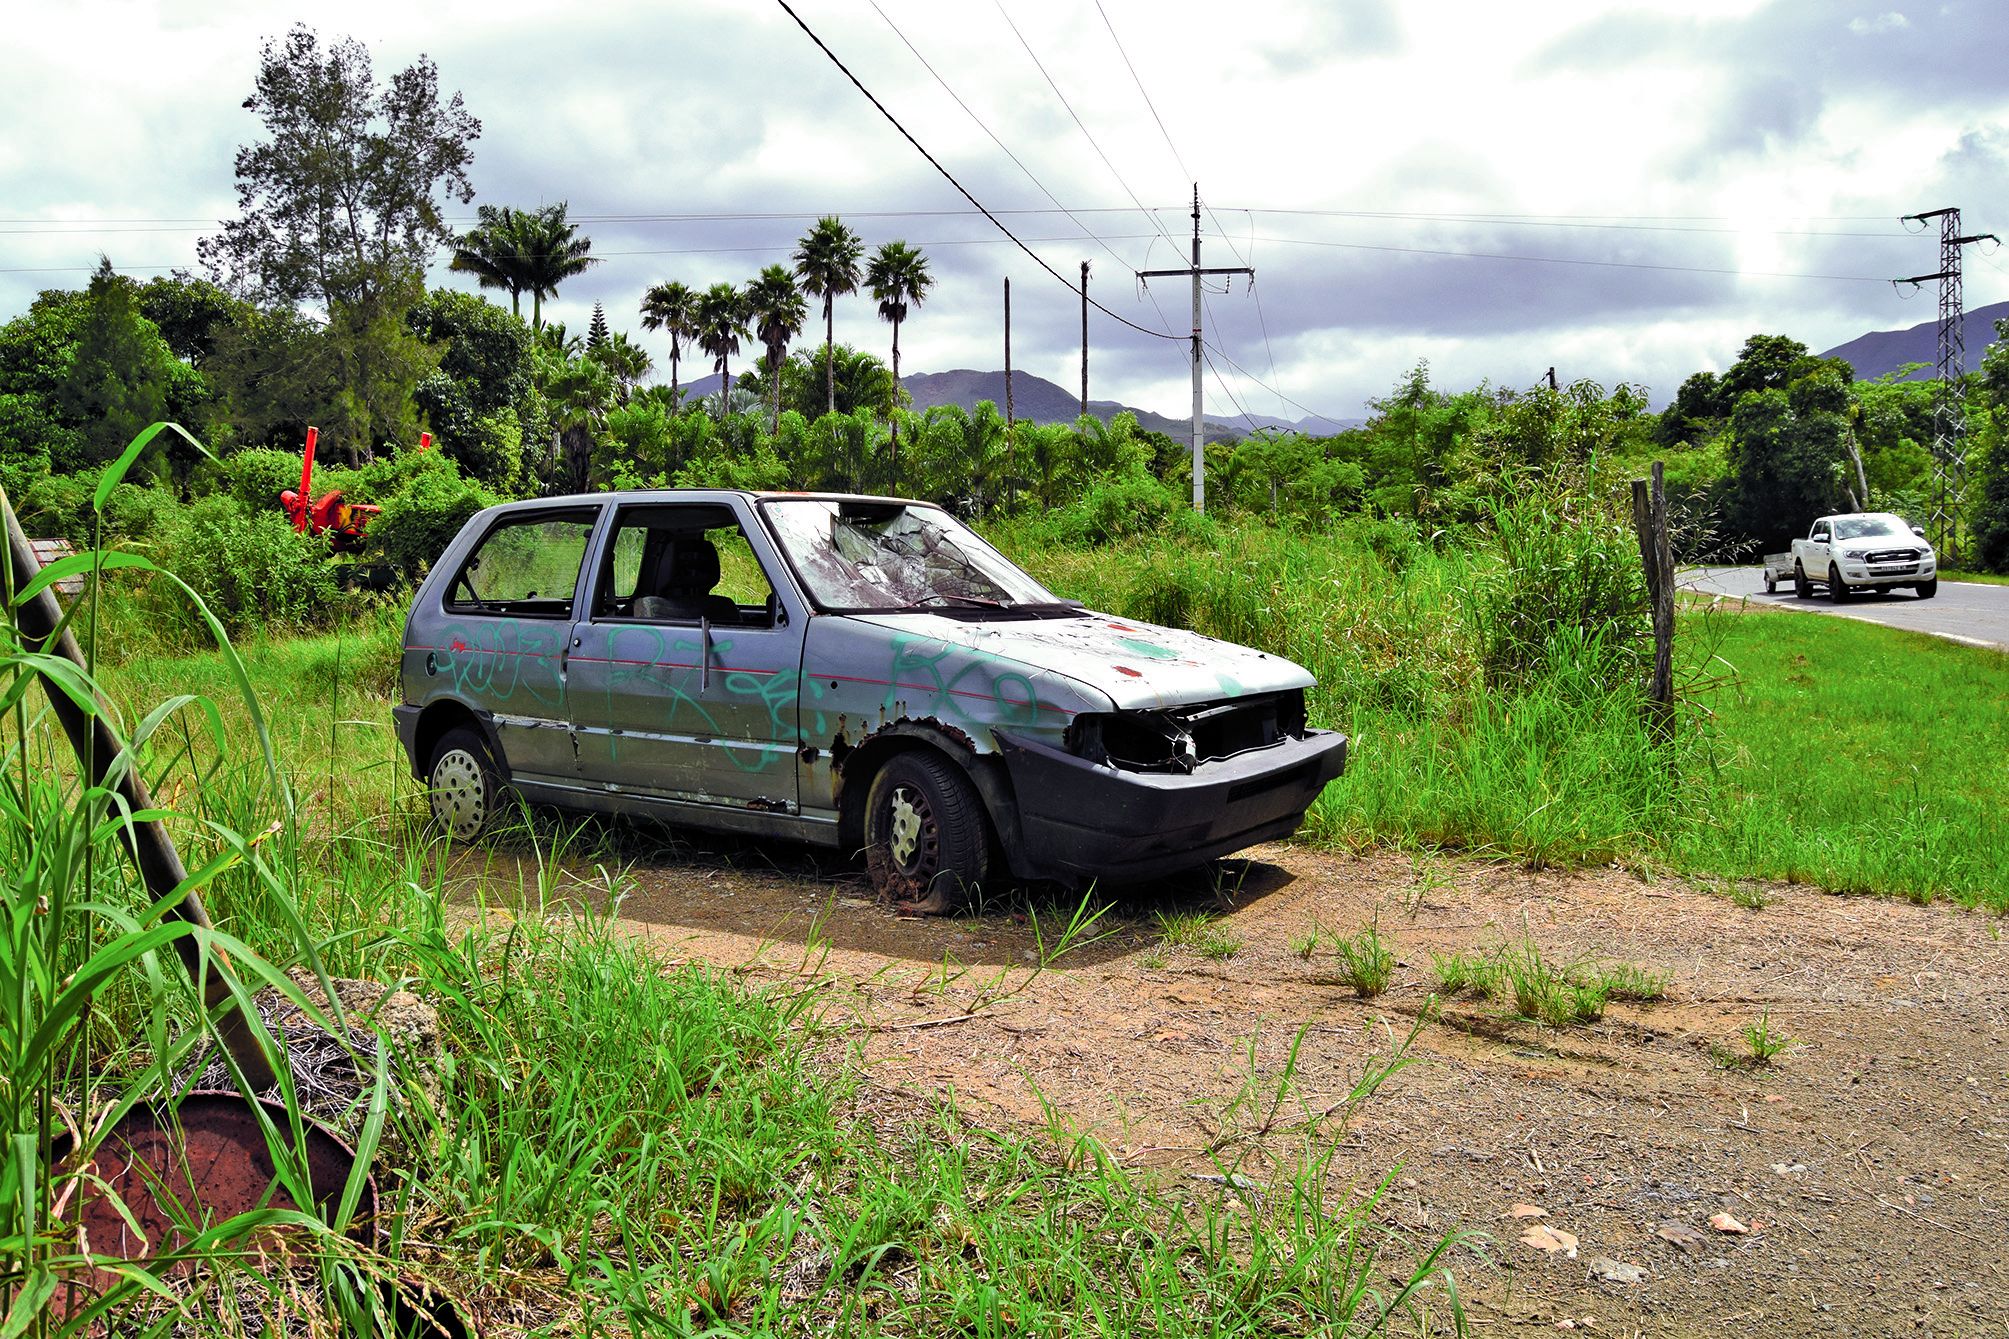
(1888,21)
(1674,135)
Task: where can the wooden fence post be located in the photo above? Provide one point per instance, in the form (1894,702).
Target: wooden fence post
(1656,556)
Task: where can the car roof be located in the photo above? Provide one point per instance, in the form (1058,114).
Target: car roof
(705,495)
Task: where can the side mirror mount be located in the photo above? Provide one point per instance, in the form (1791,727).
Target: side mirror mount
(1918,530)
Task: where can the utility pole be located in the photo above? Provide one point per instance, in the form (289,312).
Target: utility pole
(1199,403)
(1084,339)
(1552,378)
(1949,465)
(1008,413)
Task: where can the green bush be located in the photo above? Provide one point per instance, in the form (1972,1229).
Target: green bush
(137,512)
(250,567)
(418,522)
(1117,509)
(255,477)
(58,506)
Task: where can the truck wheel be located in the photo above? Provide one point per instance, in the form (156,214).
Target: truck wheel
(465,786)
(1928,589)
(1802,588)
(926,845)
(1838,589)
(1771,584)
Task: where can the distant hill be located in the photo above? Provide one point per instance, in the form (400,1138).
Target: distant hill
(1038,400)
(1883,351)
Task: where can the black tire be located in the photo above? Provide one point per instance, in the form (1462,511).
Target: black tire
(1771,584)
(927,845)
(1838,590)
(464,785)
(1927,589)
(1802,588)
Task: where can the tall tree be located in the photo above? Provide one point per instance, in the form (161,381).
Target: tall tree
(344,202)
(721,322)
(670,307)
(826,260)
(596,329)
(777,309)
(899,279)
(491,251)
(551,251)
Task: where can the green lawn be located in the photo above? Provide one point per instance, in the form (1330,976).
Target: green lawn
(1857,757)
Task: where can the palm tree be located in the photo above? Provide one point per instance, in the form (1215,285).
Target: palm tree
(777,309)
(490,251)
(826,260)
(626,361)
(721,320)
(670,307)
(899,279)
(524,251)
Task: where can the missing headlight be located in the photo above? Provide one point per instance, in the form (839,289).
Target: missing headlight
(1136,741)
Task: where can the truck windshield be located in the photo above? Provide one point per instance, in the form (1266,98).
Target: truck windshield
(1878,525)
(880,556)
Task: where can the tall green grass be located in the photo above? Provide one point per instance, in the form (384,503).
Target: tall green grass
(606,1142)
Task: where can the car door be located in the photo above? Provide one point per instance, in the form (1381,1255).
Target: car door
(686,671)
(1817,551)
(502,638)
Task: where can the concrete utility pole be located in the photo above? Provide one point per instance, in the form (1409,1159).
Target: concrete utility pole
(1949,466)
(1199,403)
(1084,339)
(1008,413)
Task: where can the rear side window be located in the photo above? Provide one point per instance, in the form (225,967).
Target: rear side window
(525,567)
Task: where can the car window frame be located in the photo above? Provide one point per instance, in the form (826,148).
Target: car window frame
(603,562)
(592,514)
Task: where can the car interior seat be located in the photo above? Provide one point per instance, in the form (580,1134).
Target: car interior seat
(685,573)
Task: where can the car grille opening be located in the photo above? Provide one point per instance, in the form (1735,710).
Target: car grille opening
(1178,739)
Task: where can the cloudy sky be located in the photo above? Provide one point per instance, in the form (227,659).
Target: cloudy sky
(1622,190)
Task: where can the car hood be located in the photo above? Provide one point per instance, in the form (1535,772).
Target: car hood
(1134,664)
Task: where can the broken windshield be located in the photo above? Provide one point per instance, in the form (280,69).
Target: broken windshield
(856,556)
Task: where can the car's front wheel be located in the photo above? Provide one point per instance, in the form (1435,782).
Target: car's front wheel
(465,786)
(1928,589)
(1838,590)
(926,843)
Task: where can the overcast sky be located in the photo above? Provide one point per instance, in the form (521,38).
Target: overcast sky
(1618,189)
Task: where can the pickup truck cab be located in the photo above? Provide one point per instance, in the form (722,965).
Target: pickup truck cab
(852,672)
(1873,551)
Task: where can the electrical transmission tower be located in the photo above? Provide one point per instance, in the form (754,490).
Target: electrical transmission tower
(1949,461)
(1199,352)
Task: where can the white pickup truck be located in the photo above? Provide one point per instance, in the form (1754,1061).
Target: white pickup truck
(1857,551)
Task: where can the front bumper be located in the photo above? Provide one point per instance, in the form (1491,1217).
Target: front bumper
(1889,574)
(1080,821)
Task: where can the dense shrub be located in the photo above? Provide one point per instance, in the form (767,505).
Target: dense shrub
(421,520)
(257,476)
(250,567)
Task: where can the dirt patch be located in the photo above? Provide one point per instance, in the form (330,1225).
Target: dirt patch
(1867,1162)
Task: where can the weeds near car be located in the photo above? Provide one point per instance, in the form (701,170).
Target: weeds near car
(1197,932)
(1762,1041)
(1557,995)
(1364,962)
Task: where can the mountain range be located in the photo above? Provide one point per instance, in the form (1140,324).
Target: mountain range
(1884,351)
(1037,400)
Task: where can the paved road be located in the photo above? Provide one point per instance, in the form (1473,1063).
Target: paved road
(1964,611)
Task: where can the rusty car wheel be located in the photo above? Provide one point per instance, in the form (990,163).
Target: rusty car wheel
(926,845)
(465,787)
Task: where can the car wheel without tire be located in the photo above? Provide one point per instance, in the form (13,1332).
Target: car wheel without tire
(465,787)
(1802,588)
(926,843)
(1927,589)
(1837,588)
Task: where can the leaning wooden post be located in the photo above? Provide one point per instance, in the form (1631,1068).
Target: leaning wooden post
(1656,556)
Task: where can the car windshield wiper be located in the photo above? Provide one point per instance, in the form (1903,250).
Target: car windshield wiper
(972,601)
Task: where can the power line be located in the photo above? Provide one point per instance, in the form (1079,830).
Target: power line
(950,177)
(971,113)
(1079,124)
(1571,260)
(1295,404)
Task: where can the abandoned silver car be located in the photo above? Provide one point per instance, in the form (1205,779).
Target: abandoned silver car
(854,672)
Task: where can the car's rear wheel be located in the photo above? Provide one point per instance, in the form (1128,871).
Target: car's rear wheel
(1802,588)
(1928,589)
(465,786)
(926,843)
(1838,590)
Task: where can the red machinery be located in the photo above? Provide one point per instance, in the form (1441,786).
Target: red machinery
(343,522)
